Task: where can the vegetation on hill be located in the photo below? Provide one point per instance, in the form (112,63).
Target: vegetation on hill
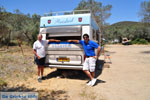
(131,30)
(17,25)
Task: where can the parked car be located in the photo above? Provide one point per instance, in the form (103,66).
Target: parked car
(125,41)
(116,41)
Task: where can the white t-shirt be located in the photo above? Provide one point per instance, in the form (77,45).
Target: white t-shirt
(39,46)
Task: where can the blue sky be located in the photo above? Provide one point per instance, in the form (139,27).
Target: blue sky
(122,10)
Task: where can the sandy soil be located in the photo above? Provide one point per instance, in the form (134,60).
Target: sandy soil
(127,78)
(128,75)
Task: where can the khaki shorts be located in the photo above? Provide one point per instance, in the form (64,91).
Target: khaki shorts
(89,64)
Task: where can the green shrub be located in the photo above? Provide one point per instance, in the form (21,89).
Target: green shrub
(139,41)
(143,41)
(2,83)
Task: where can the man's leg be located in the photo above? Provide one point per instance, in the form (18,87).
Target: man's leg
(88,74)
(92,63)
(86,70)
(93,74)
(94,79)
(42,70)
(42,67)
(38,66)
(39,71)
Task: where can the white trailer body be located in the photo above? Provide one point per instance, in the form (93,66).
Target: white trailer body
(65,55)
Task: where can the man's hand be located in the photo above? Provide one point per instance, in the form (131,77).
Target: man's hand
(96,57)
(38,57)
(53,40)
(76,41)
(57,40)
(68,40)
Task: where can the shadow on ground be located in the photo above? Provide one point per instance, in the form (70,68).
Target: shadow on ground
(67,73)
(42,94)
(146,52)
(75,74)
(99,67)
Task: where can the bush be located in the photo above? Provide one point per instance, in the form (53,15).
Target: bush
(139,41)
(2,83)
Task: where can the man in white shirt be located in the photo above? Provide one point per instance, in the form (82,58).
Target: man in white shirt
(39,51)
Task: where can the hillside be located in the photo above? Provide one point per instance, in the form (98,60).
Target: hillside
(125,23)
(129,29)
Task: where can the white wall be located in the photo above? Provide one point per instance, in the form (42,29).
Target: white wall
(86,29)
(43,33)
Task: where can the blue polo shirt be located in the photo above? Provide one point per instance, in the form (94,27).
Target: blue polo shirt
(89,48)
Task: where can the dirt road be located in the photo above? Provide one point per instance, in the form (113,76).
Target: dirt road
(127,78)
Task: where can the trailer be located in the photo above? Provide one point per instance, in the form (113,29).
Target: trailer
(65,26)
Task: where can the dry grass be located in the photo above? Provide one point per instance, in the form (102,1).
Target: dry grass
(88,94)
(16,66)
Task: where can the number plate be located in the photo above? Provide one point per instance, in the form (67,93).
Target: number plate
(63,59)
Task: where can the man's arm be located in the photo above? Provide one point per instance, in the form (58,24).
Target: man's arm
(76,41)
(53,40)
(34,51)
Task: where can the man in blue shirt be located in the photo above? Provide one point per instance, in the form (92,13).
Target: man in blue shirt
(90,61)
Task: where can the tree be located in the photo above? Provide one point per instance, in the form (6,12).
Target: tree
(14,25)
(2,9)
(50,13)
(145,11)
(18,12)
(100,12)
(4,29)
(36,18)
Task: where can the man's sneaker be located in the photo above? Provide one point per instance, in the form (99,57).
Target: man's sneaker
(93,82)
(89,83)
(39,80)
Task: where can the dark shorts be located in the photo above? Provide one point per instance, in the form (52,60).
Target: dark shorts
(40,62)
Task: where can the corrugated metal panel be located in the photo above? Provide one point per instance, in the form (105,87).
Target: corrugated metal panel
(62,31)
